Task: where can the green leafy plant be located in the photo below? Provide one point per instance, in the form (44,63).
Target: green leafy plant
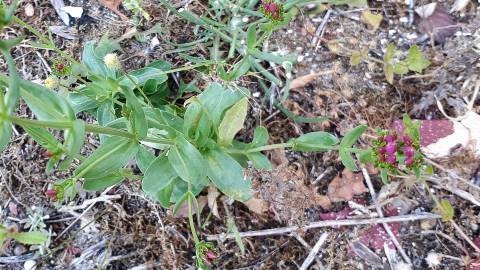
(392,62)
(195,144)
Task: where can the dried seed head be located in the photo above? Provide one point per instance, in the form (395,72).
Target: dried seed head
(111,61)
(51,82)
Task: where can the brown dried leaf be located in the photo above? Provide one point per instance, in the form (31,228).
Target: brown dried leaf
(301,81)
(440,25)
(212,199)
(113,6)
(258,206)
(183,210)
(344,187)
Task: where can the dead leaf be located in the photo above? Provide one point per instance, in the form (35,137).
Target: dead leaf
(372,19)
(439,25)
(183,209)
(363,252)
(64,31)
(278,158)
(129,33)
(301,81)
(344,187)
(113,6)
(58,5)
(212,199)
(258,206)
(426,10)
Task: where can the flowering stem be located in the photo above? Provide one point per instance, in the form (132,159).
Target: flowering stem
(88,128)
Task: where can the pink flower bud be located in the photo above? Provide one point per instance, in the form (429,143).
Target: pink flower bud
(389,138)
(409,161)
(210,255)
(391,159)
(391,148)
(382,158)
(407,140)
(52,194)
(408,151)
(382,151)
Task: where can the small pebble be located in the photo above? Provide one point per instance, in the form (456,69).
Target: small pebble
(29,10)
(19,250)
(30,265)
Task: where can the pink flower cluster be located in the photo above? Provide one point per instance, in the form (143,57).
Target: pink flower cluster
(272,10)
(391,145)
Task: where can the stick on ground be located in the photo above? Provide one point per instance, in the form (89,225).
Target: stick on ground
(325,223)
(313,253)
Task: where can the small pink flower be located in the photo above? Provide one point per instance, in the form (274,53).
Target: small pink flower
(409,161)
(408,151)
(391,148)
(389,138)
(391,159)
(52,194)
(407,140)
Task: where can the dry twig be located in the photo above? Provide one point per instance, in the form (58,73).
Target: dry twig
(325,223)
(313,253)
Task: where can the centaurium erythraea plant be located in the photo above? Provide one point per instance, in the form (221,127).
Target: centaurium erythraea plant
(396,151)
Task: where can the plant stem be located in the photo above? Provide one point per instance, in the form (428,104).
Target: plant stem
(88,128)
(190,217)
(269,147)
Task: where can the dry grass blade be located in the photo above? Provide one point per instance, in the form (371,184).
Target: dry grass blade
(113,6)
(306,79)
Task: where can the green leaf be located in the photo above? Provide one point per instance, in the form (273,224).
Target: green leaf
(400,68)
(103,182)
(45,103)
(144,158)
(388,70)
(187,160)
(232,122)
(5,133)
(112,155)
(372,19)
(29,238)
(416,61)
(352,136)
(93,56)
(260,137)
(197,125)
(158,177)
(314,141)
(365,156)
(384,176)
(240,68)
(137,116)
(252,36)
(356,58)
(227,175)
(445,209)
(260,161)
(216,99)
(73,141)
(105,115)
(140,76)
(347,160)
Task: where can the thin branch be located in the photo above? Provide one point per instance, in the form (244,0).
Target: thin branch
(325,223)
(313,253)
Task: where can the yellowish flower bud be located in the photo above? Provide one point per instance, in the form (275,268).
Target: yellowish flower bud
(111,61)
(51,82)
